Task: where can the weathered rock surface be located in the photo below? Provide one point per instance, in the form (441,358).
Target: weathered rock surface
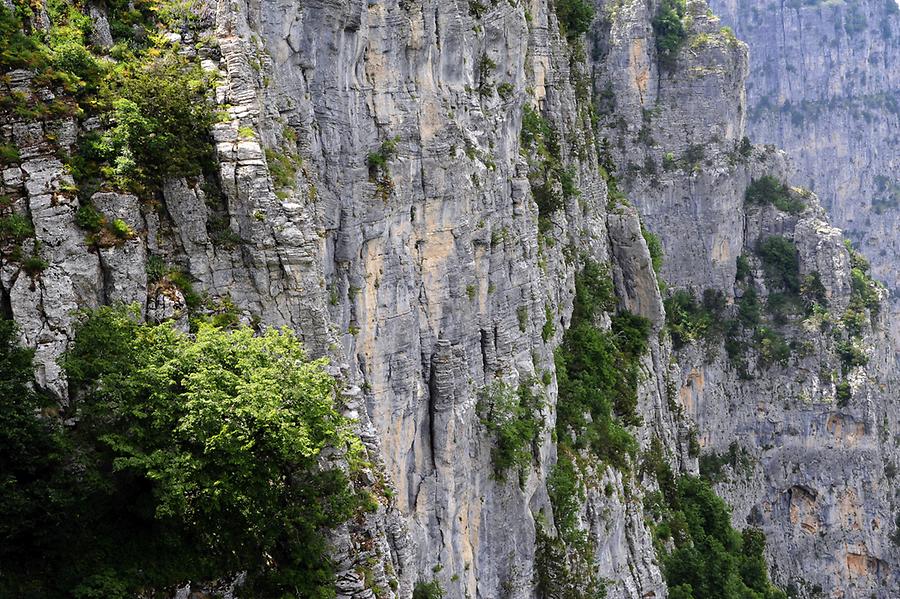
(428,280)
(824,85)
(814,477)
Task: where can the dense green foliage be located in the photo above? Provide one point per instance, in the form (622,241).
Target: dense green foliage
(551,182)
(865,296)
(428,590)
(597,372)
(689,320)
(746,326)
(514,417)
(669,29)
(160,121)
(703,557)
(30,451)
(655,247)
(566,491)
(563,573)
(769,190)
(597,376)
(193,458)
(711,560)
(564,565)
(575,16)
(781,263)
(154,104)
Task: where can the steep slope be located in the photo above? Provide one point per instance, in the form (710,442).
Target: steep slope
(423,191)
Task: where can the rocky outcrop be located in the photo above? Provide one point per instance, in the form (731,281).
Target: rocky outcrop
(804,465)
(824,85)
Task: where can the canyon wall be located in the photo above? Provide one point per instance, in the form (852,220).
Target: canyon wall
(406,243)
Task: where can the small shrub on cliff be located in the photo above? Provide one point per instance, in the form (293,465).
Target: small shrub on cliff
(710,558)
(160,121)
(551,182)
(14,229)
(781,263)
(597,372)
(655,247)
(843,394)
(566,491)
(772,347)
(854,20)
(89,218)
(744,272)
(575,16)
(283,168)
(8,154)
(851,354)
(864,293)
(121,229)
(34,264)
(669,29)
(689,320)
(377,161)
(769,190)
(514,417)
(712,463)
(428,590)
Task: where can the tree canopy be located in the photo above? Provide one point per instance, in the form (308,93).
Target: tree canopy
(191,458)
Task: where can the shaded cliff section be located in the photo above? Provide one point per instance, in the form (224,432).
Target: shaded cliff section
(770,421)
(371,192)
(824,85)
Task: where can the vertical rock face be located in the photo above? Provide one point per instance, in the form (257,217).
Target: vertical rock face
(824,86)
(806,467)
(406,243)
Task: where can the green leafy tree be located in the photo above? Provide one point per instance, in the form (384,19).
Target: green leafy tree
(669,29)
(710,559)
(193,458)
(160,120)
(597,371)
(781,263)
(513,416)
(31,451)
(769,190)
(575,16)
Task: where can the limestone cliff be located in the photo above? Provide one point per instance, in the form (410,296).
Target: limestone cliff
(823,85)
(385,194)
(679,146)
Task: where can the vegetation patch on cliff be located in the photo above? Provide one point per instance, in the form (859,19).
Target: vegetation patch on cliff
(513,416)
(575,16)
(552,183)
(768,190)
(670,31)
(184,458)
(154,105)
(701,554)
(598,371)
